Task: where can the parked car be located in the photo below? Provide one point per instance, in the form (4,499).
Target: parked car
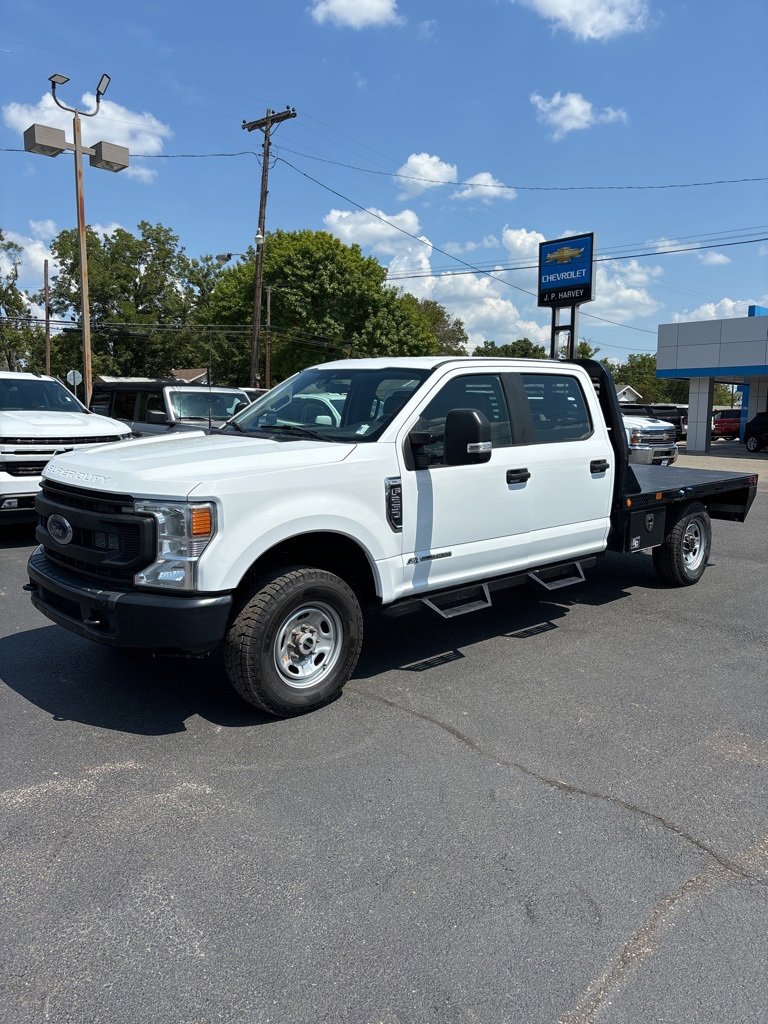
(156,406)
(659,411)
(726,423)
(40,418)
(756,432)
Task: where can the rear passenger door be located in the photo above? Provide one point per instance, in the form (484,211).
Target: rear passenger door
(565,448)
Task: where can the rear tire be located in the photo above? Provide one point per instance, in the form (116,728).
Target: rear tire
(294,642)
(752,445)
(682,558)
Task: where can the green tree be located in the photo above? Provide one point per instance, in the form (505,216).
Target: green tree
(17,339)
(449,334)
(523,348)
(143,291)
(586,350)
(326,299)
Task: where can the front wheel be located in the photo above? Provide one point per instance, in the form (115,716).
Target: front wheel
(752,445)
(682,558)
(294,642)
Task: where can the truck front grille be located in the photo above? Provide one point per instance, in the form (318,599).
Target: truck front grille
(62,442)
(110,541)
(22,468)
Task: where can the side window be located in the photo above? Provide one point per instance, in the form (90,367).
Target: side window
(558,408)
(101,402)
(149,401)
(124,404)
(478,391)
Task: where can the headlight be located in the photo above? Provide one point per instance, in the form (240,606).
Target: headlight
(635,437)
(184,531)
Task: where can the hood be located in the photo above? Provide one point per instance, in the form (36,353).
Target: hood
(647,422)
(42,424)
(172,465)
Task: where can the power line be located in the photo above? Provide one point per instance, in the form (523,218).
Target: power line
(598,259)
(441,181)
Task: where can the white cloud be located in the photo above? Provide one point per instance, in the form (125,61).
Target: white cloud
(622,291)
(355,13)
(485,187)
(570,112)
(43,229)
(593,19)
(457,248)
(484,305)
(379,232)
(105,229)
(432,171)
(714,259)
(34,254)
(139,132)
(722,310)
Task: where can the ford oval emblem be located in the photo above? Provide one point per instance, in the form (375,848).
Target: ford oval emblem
(60,529)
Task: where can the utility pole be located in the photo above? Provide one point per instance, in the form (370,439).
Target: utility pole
(268,344)
(47,320)
(264,124)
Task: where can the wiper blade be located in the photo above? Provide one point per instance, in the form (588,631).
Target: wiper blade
(291,428)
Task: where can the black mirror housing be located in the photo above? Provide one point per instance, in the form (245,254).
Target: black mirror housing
(467,437)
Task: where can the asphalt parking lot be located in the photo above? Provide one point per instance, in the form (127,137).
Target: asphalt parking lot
(552,812)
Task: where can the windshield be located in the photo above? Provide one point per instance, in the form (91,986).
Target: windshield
(345,405)
(204,405)
(37,395)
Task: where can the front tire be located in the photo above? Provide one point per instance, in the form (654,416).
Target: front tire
(682,558)
(752,445)
(294,642)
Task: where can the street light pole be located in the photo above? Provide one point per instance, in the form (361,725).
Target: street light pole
(47,141)
(85,303)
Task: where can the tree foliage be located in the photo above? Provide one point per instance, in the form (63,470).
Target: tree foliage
(523,348)
(18,340)
(326,300)
(143,291)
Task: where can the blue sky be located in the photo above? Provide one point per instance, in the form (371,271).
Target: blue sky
(444,138)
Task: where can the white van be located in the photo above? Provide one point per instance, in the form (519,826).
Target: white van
(40,418)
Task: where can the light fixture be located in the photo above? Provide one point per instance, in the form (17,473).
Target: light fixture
(224,257)
(58,80)
(109,157)
(39,138)
(103,85)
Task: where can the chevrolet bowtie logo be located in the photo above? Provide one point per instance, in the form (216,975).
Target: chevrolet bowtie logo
(564,254)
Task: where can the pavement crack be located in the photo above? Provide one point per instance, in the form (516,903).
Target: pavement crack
(726,863)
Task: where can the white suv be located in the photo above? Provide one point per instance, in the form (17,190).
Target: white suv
(40,418)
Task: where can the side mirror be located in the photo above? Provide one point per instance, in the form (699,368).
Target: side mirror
(156,416)
(467,437)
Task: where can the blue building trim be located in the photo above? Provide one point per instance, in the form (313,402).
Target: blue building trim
(717,371)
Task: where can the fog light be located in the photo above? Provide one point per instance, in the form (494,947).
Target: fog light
(10,503)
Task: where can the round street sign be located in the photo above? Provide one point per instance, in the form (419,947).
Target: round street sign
(74,377)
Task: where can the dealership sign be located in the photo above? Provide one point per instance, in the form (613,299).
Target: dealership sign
(566,271)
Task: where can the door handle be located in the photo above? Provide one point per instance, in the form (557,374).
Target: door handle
(518,476)
(598,466)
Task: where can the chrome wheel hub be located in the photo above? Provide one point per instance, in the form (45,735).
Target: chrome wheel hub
(308,644)
(693,545)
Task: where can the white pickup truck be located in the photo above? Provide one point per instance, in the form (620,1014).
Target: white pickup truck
(384,482)
(39,418)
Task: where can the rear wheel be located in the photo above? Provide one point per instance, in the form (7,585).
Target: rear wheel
(752,445)
(682,558)
(295,641)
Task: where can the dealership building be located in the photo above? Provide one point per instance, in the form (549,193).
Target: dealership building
(706,352)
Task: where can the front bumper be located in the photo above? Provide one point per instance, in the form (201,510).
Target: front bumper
(652,455)
(127,618)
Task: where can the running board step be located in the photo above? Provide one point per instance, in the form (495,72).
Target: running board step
(561,576)
(460,602)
